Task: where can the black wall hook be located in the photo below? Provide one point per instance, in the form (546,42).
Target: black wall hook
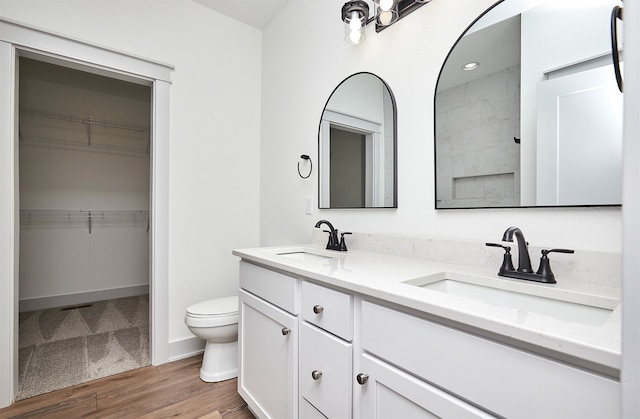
(305,157)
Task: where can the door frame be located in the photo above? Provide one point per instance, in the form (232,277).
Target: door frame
(20,40)
(630,368)
(375,156)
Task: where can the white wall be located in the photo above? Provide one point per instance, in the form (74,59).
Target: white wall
(303,61)
(214,126)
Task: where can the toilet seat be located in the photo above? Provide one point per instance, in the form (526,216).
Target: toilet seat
(215,307)
(211,313)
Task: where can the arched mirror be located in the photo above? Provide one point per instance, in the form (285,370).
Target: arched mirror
(527,110)
(357,145)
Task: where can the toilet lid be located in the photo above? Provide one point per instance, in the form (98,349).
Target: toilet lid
(214,307)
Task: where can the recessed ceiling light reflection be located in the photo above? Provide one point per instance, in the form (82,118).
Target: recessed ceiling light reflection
(470,66)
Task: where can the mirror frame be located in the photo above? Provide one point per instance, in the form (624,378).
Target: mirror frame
(394,148)
(435,166)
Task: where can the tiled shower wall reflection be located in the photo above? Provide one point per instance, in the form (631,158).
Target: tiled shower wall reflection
(478,159)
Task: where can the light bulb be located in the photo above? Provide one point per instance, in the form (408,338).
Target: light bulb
(385,5)
(385,18)
(355,36)
(355,23)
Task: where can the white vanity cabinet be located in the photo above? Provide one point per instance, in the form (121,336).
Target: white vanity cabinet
(325,372)
(268,342)
(310,350)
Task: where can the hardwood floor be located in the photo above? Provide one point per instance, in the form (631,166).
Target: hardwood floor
(169,390)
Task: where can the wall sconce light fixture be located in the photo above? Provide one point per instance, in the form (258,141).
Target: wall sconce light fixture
(355,15)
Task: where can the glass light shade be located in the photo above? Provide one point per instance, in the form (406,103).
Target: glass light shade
(355,15)
(354,28)
(386,18)
(354,36)
(386,12)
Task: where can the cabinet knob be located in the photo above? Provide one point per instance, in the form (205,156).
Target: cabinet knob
(315,374)
(286,331)
(318,309)
(362,378)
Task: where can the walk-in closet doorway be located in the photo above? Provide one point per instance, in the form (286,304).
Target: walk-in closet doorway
(84,187)
(18,42)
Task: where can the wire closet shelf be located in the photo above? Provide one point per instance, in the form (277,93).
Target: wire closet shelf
(78,217)
(80,132)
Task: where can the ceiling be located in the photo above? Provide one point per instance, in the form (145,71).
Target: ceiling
(495,48)
(256,13)
(493,41)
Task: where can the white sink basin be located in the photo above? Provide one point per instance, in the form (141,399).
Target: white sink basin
(303,253)
(304,256)
(559,304)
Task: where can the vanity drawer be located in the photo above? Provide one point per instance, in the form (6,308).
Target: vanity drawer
(276,288)
(502,379)
(329,358)
(328,309)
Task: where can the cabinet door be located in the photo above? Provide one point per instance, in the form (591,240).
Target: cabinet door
(391,393)
(267,377)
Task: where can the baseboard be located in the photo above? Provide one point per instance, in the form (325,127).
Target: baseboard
(184,348)
(41,303)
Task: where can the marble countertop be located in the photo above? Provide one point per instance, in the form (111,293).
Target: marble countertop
(594,343)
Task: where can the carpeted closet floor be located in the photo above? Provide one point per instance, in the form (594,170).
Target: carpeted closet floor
(62,347)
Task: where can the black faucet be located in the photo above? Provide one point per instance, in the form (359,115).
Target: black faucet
(333,243)
(524,270)
(524,261)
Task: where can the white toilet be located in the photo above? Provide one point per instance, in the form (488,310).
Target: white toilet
(216,321)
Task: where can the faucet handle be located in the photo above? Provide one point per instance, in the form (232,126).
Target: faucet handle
(545,268)
(507,263)
(343,245)
(546,252)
